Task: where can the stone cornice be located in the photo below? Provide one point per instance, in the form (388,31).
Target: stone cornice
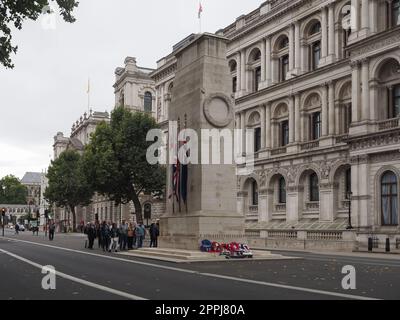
(275,13)
(375,44)
(377,139)
(297,80)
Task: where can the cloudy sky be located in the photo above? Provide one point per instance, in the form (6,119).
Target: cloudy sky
(46,91)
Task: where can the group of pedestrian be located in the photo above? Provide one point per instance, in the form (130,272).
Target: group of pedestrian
(126,236)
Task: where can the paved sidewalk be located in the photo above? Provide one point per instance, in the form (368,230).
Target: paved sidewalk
(372,255)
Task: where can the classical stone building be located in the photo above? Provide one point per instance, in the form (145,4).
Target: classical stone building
(80,136)
(319,82)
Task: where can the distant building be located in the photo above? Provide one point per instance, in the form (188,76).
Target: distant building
(33,180)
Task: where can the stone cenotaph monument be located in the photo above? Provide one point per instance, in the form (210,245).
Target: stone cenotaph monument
(201,99)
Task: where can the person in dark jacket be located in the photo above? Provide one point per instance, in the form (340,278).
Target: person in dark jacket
(154,233)
(98,234)
(52,230)
(91,233)
(105,236)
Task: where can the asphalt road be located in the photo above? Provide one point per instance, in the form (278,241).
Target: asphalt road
(84,274)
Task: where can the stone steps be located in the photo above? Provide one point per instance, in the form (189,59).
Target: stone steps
(181,256)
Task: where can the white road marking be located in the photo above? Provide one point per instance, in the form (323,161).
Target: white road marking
(77,280)
(268,284)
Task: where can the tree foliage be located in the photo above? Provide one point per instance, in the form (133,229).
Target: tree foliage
(12,191)
(68,187)
(115,161)
(14,12)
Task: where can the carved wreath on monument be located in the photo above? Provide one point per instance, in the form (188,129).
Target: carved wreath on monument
(218,110)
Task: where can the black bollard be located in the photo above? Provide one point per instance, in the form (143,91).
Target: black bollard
(387,245)
(370,244)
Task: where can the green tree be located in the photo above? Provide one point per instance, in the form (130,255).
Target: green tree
(14,12)
(68,187)
(12,191)
(115,160)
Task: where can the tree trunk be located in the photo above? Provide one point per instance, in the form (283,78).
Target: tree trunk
(73,219)
(138,208)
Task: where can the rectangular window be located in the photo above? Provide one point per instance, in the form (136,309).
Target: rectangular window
(316,54)
(284,67)
(284,133)
(234,84)
(396,101)
(316,126)
(257,139)
(257,80)
(395,13)
(254,194)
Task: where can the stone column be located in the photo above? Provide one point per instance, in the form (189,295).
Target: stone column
(243,127)
(297,118)
(268,126)
(326,203)
(373,16)
(365,90)
(243,70)
(263,206)
(331,98)
(263,60)
(263,126)
(373,102)
(337,119)
(324,35)
(239,72)
(355,91)
(268,61)
(291,119)
(324,110)
(331,35)
(292,204)
(291,49)
(241,203)
(355,21)
(297,54)
(364,31)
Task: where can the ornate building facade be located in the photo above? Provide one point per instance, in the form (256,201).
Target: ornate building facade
(319,82)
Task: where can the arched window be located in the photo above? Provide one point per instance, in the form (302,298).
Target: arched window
(122,99)
(255,66)
(389,90)
(395,13)
(315,28)
(233,69)
(396,101)
(389,199)
(316,54)
(284,43)
(254,192)
(316,126)
(282,190)
(348,183)
(257,139)
(284,67)
(314,187)
(148,102)
(284,133)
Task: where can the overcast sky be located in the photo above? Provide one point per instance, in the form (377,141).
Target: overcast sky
(46,91)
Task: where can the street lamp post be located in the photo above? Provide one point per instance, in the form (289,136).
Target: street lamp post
(3,214)
(349,195)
